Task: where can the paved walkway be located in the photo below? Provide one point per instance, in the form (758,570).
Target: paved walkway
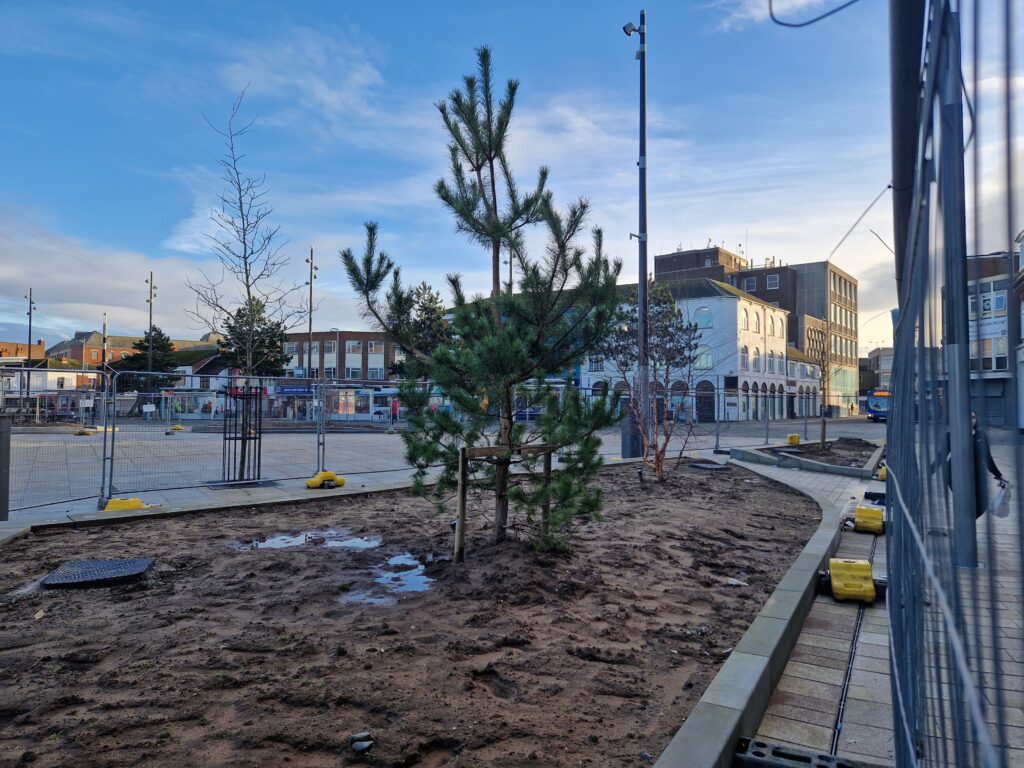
(804,710)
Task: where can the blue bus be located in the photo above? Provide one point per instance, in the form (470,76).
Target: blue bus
(878,404)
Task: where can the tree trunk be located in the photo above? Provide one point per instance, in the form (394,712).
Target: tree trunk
(496,272)
(822,430)
(501,473)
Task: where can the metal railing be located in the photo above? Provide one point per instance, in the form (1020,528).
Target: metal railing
(955,590)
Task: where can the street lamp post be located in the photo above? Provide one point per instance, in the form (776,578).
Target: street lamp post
(28,364)
(313,269)
(149,301)
(337,352)
(641,236)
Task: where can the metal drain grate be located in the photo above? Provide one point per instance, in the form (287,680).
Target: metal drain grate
(97,573)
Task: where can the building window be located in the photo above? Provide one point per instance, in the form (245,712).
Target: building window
(353,373)
(375,373)
(95,355)
(749,284)
(745,320)
(354,348)
(772,282)
(60,382)
(757,322)
(704,358)
(596,365)
(703,317)
(290,347)
(399,354)
(745,359)
(771,362)
(375,347)
(315,348)
(330,373)
(757,359)
(771,325)
(328,347)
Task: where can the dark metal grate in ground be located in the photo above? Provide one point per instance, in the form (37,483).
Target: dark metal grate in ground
(98,573)
(219,485)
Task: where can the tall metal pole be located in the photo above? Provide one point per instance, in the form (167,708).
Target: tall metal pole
(309,344)
(152,295)
(28,364)
(103,353)
(906,25)
(961,439)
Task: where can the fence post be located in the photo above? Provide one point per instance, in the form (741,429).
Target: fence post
(765,409)
(961,440)
(460,517)
(5,469)
(807,405)
(320,401)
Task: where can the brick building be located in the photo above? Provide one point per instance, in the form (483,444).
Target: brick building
(87,347)
(13,353)
(351,355)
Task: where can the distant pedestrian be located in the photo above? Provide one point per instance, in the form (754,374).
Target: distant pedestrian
(394,411)
(982,461)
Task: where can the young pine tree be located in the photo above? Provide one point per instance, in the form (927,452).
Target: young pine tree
(501,359)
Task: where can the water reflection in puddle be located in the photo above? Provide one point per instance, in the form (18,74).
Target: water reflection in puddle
(401,573)
(331,538)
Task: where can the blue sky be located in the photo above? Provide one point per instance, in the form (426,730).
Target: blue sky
(761,134)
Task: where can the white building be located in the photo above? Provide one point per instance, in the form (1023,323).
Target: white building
(741,368)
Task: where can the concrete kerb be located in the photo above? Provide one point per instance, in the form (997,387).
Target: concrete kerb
(737,698)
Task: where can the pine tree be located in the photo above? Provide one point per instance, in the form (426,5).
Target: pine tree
(163,362)
(506,355)
(254,342)
(428,329)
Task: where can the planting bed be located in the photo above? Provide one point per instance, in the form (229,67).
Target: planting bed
(267,636)
(842,452)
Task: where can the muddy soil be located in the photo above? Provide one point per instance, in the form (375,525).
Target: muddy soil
(842,452)
(267,636)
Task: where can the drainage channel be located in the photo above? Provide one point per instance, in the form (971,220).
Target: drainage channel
(838,729)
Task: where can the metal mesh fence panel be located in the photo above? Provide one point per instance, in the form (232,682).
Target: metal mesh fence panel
(57,440)
(168,436)
(955,554)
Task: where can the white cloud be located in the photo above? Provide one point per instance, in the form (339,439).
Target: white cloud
(739,13)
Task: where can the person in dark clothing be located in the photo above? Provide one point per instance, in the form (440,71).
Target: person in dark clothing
(982,461)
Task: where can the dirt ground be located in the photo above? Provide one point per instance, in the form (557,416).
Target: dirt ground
(843,451)
(239,656)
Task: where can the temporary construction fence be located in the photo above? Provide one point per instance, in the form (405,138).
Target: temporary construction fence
(955,583)
(242,430)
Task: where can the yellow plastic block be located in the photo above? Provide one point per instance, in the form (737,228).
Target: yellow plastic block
(178,428)
(851,580)
(122,505)
(793,439)
(325,479)
(869,519)
(85,432)
(882,473)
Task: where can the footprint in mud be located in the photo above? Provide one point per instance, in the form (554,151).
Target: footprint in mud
(497,683)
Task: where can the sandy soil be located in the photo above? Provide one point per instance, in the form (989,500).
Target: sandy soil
(843,451)
(230,655)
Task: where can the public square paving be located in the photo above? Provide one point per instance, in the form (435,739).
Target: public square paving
(55,472)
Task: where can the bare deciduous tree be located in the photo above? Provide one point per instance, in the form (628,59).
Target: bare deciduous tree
(248,248)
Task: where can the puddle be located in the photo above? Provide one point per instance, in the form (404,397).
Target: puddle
(401,573)
(331,538)
(409,579)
